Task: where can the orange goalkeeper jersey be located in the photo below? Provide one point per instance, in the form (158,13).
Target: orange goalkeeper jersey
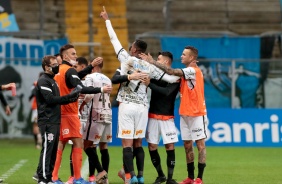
(71,108)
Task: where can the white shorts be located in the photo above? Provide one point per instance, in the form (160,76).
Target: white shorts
(98,132)
(161,128)
(193,128)
(34,116)
(132,120)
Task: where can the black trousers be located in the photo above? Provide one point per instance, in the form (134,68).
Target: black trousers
(50,137)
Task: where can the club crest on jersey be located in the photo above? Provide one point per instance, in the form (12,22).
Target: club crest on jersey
(66,131)
(50,137)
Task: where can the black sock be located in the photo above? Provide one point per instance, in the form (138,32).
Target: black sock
(128,160)
(92,154)
(156,160)
(105,157)
(140,157)
(35,138)
(170,162)
(190,169)
(91,164)
(201,168)
(71,166)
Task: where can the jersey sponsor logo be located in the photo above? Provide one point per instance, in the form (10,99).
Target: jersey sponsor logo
(50,137)
(170,134)
(66,131)
(140,66)
(197,130)
(138,132)
(134,99)
(126,132)
(97,137)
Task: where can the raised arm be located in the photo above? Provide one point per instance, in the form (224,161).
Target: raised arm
(122,54)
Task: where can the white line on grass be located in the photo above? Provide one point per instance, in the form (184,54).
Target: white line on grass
(13,169)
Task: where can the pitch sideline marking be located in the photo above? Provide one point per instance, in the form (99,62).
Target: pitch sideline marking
(13,169)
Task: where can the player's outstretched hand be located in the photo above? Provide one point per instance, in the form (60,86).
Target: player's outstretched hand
(97,61)
(146,80)
(74,94)
(107,89)
(8,86)
(138,75)
(104,14)
(146,57)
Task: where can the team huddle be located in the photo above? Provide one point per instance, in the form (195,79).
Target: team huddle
(73,104)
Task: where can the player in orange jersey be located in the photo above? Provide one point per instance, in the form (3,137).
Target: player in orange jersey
(68,78)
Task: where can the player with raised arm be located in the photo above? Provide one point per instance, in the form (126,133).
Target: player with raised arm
(192,110)
(133,108)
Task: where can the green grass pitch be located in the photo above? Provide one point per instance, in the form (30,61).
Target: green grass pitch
(225,165)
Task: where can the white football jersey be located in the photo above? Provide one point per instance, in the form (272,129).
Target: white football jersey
(134,91)
(101,110)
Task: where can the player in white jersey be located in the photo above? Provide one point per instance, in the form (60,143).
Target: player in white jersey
(133,108)
(98,129)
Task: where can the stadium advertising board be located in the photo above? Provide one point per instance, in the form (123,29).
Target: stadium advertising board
(217,74)
(20,62)
(235,127)
(245,127)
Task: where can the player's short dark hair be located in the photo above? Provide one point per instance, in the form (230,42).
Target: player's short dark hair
(64,48)
(140,45)
(167,54)
(56,55)
(82,61)
(194,50)
(46,61)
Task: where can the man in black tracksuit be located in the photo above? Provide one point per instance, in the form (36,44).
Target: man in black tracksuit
(49,116)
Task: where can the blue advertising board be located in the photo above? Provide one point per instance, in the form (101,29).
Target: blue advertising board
(234,127)
(217,74)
